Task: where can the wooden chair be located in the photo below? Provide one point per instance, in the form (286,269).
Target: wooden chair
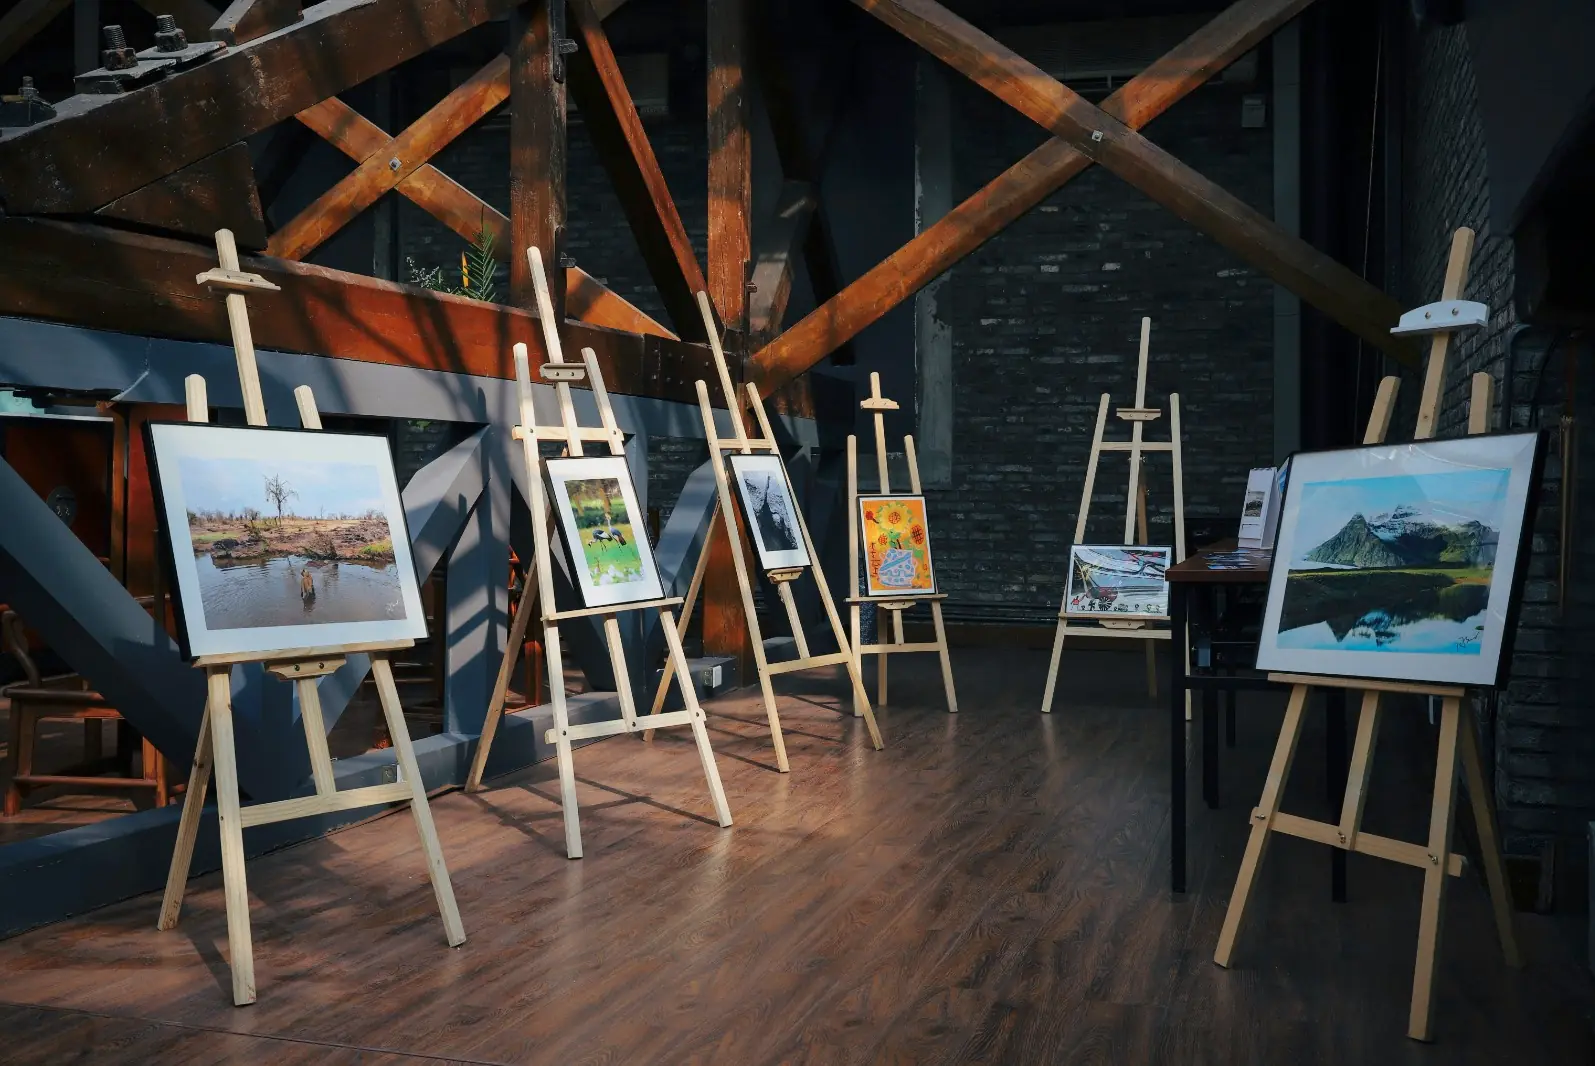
(65,697)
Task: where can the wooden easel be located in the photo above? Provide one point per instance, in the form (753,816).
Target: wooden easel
(741,442)
(1457,736)
(1134,517)
(879,404)
(305,667)
(571,435)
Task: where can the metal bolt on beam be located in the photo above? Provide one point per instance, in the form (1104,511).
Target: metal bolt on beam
(117,55)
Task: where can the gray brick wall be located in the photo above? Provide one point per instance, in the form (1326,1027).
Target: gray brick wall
(1047,316)
(1540,731)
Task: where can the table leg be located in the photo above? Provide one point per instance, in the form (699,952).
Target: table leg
(1177,690)
(1210,747)
(1336,770)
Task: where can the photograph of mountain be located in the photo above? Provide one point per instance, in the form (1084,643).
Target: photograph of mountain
(1394,563)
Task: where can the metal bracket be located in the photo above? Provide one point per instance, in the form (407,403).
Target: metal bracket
(1443,316)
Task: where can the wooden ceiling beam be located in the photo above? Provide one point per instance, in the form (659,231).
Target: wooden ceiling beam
(730,243)
(1317,278)
(218,192)
(623,147)
(246,20)
(100,278)
(1231,34)
(393,162)
(589,300)
(101,147)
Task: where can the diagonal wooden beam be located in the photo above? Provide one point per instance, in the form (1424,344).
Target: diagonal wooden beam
(1231,34)
(467,214)
(537,151)
(623,147)
(1317,278)
(194,17)
(427,187)
(395,161)
(104,147)
(23,22)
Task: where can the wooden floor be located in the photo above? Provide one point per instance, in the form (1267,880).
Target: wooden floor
(990,888)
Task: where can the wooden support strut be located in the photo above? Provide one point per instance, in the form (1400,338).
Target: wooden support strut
(1458,743)
(305,667)
(741,442)
(1231,34)
(563,733)
(878,405)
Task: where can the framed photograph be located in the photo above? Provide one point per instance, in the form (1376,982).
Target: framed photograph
(1118,581)
(1402,562)
(771,510)
(602,525)
(896,546)
(282,538)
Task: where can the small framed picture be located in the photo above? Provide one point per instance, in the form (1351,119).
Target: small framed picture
(1118,581)
(601,523)
(1402,562)
(771,510)
(896,546)
(282,538)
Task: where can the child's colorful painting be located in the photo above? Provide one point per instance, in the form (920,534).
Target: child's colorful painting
(896,546)
(1117,581)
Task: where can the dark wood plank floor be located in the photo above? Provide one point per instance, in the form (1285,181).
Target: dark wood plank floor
(990,888)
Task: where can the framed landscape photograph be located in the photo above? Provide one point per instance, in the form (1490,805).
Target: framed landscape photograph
(771,510)
(1402,562)
(602,525)
(282,539)
(896,546)
(1117,581)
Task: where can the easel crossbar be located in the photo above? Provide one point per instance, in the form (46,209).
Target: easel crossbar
(814,662)
(1139,634)
(1365,843)
(588,612)
(615,726)
(309,806)
(897,649)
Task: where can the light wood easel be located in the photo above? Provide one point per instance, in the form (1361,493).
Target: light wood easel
(878,404)
(1134,518)
(305,667)
(1457,737)
(571,435)
(782,579)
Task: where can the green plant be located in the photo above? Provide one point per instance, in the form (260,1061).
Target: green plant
(478,272)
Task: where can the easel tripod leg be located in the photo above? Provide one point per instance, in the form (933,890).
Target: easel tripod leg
(562,749)
(239,943)
(1262,824)
(495,706)
(768,692)
(1421,1020)
(700,732)
(946,657)
(1489,840)
(399,733)
(188,827)
(1052,670)
(856,631)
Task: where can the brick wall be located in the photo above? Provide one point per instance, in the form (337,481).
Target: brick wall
(1540,730)
(1046,317)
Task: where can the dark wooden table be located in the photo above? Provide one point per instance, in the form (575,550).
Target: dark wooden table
(1204,574)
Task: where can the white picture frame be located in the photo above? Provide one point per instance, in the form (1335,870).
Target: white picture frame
(770,508)
(1402,562)
(1127,582)
(255,574)
(612,560)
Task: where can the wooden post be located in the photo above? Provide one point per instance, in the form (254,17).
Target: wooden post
(537,150)
(730,244)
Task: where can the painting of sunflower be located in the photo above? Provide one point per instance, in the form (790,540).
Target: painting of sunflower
(896,546)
